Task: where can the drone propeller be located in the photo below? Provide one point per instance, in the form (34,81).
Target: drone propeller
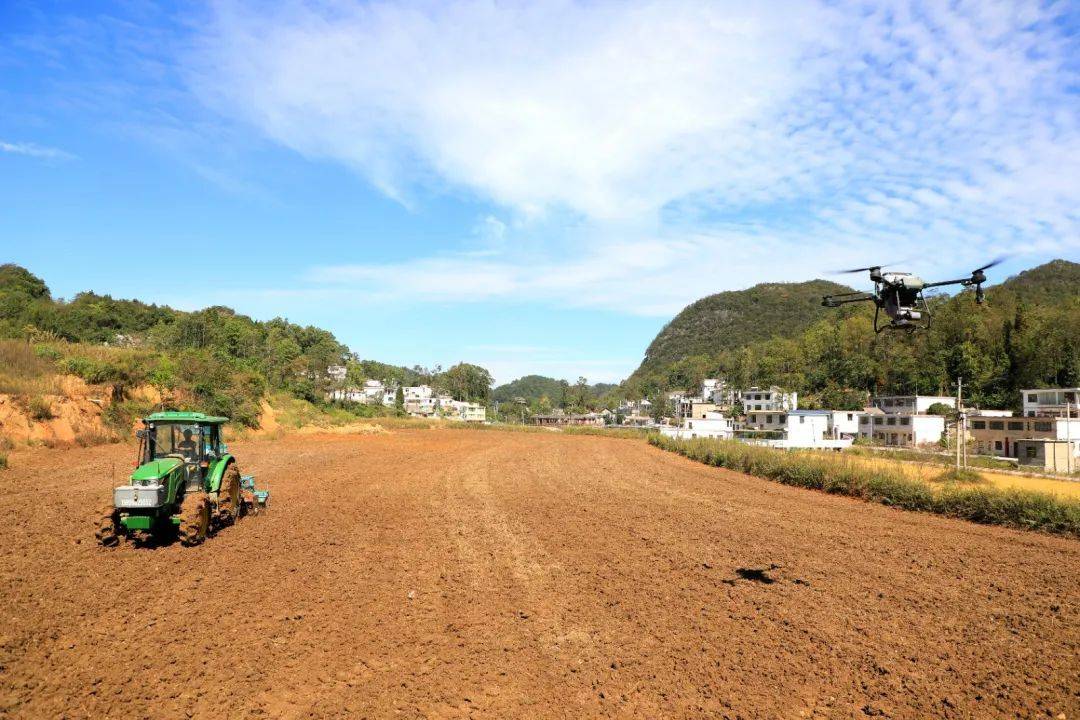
(872,267)
(996,261)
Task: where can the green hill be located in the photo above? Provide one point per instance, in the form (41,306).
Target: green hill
(736,318)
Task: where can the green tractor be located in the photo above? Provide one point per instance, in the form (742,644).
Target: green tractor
(185,484)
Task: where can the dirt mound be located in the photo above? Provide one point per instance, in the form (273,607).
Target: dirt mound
(442,573)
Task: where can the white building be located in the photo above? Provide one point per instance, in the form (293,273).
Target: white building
(801,429)
(346,395)
(1051,402)
(907,404)
(419,400)
(713,425)
(812,429)
(473,412)
(770,400)
(844,423)
(901,429)
(373,392)
(337,373)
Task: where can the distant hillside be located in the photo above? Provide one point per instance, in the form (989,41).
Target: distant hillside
(1026,334)
(1050,282)
(535,387)
(732,319)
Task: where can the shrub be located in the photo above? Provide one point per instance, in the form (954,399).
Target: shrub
(837,474)
(40,409)
(3,461)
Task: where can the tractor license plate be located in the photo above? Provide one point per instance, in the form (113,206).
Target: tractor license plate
(139,496)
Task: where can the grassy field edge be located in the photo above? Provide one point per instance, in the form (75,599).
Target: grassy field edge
(1024,509)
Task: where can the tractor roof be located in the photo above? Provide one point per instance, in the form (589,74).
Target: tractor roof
(185,416)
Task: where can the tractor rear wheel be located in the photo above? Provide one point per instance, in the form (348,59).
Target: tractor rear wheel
(194,518)
(108,527)
(228,500)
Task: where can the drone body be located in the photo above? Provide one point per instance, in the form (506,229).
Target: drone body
(900,295)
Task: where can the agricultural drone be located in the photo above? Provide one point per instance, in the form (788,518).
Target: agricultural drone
(900,295)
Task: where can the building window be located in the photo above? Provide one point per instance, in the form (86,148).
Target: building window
(768,419)
(1043,426)
(905,421)
(1030,451)
(1016,426)
(850,417)
(1033,398)
(781,419)
(997,425)
(891,421)
(864,420)
(978,424)
(997,445)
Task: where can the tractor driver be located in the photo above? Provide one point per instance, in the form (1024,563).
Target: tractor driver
(186,447)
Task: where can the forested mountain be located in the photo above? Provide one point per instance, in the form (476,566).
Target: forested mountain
(736,318)
(1026,334)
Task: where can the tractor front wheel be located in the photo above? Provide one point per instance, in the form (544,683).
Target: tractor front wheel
(109,529)
(194,518)
(228,503)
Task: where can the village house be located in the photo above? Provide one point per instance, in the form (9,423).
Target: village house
(767,409)
(556,419)
(693,407)
(373,392)
(903,421)
(419,400)
(844,423)
(1051,402)
(1046,454)
(337,373)
(910,404)
(711,424)
(800,429)
(1001,436)
(345,395)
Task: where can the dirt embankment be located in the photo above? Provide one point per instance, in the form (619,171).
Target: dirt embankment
(73,414)
(460,574)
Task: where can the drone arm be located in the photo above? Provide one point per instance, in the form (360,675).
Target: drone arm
(962,281)
(838,300)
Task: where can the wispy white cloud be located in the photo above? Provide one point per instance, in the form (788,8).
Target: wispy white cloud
(35,151)
(649,153)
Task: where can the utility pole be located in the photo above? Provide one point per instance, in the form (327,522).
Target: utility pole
(1068,436)
(959,399)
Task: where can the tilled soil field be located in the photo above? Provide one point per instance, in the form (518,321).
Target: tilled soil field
(491,574)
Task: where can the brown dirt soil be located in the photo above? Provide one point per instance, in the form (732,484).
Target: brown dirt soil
(452,574)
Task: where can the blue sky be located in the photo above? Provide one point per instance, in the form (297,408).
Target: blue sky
(534,187)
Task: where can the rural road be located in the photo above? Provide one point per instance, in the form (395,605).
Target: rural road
(451,573)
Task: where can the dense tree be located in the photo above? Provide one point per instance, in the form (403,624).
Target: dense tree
(465,381)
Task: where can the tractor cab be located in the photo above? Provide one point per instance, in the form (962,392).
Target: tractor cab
(193,439)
